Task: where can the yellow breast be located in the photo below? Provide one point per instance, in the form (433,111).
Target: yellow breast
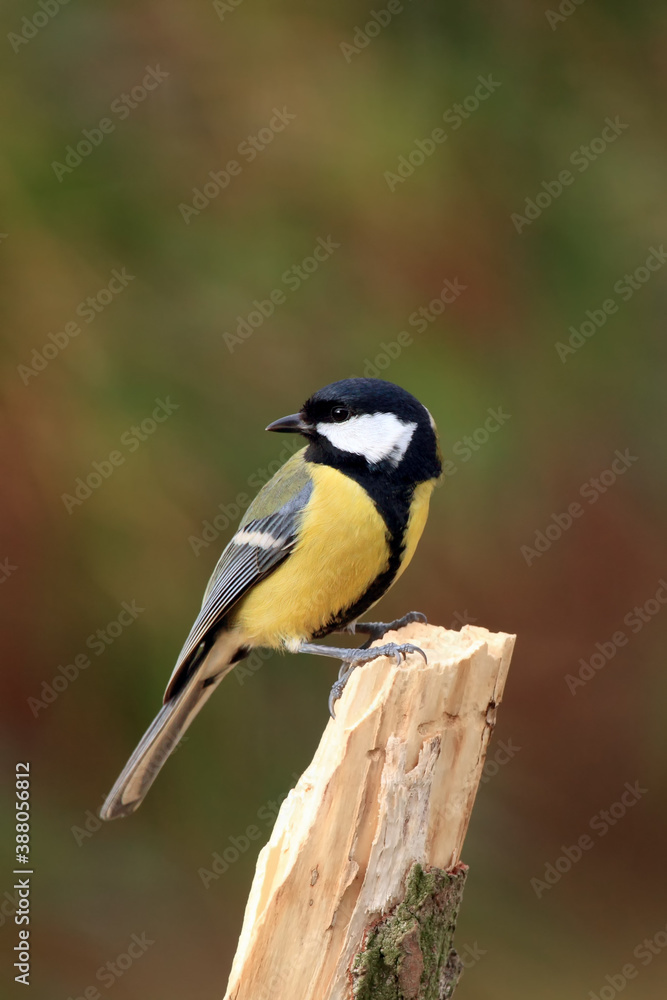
(416,522)
(342,549)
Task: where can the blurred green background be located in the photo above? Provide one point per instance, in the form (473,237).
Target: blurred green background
(69,401)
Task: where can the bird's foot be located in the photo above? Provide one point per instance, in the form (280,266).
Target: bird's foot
(353,658)
(376,630)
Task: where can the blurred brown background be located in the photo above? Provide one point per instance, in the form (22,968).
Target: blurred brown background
(208,77)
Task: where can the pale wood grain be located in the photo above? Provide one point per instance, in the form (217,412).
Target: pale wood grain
(392,783)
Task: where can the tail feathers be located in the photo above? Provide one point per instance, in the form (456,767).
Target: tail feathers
(159,740)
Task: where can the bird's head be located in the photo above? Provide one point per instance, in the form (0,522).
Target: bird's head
(368,422)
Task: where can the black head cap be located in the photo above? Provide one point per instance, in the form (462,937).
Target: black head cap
(368,423)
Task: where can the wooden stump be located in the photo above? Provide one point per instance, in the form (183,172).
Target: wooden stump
(356,893)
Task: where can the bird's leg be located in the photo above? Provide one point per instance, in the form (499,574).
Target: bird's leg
(354,657)
(376,630)
(362,655)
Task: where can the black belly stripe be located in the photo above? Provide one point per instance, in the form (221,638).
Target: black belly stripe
(394,506)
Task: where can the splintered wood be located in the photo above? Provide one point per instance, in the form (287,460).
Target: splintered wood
(392,783)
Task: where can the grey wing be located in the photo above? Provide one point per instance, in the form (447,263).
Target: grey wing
(256,550)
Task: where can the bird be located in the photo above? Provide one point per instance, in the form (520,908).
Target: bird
(320,544)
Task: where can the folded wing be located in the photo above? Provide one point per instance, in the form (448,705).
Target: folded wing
(266,536)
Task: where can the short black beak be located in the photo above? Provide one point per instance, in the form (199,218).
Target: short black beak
(294,424)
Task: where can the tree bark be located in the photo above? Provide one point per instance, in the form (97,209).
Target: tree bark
(357,892)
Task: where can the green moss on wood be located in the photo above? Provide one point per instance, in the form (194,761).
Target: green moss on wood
(409,955)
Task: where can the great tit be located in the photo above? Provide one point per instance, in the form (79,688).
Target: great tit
(321,543)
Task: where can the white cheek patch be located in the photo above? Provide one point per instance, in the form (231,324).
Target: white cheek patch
(376,436)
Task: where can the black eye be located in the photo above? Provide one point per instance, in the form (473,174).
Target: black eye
(339,414)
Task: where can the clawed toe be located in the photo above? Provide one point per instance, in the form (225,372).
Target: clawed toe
(377,629)
(414,616)
(334,695)
(409,648)
(399,651)
(357,657)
